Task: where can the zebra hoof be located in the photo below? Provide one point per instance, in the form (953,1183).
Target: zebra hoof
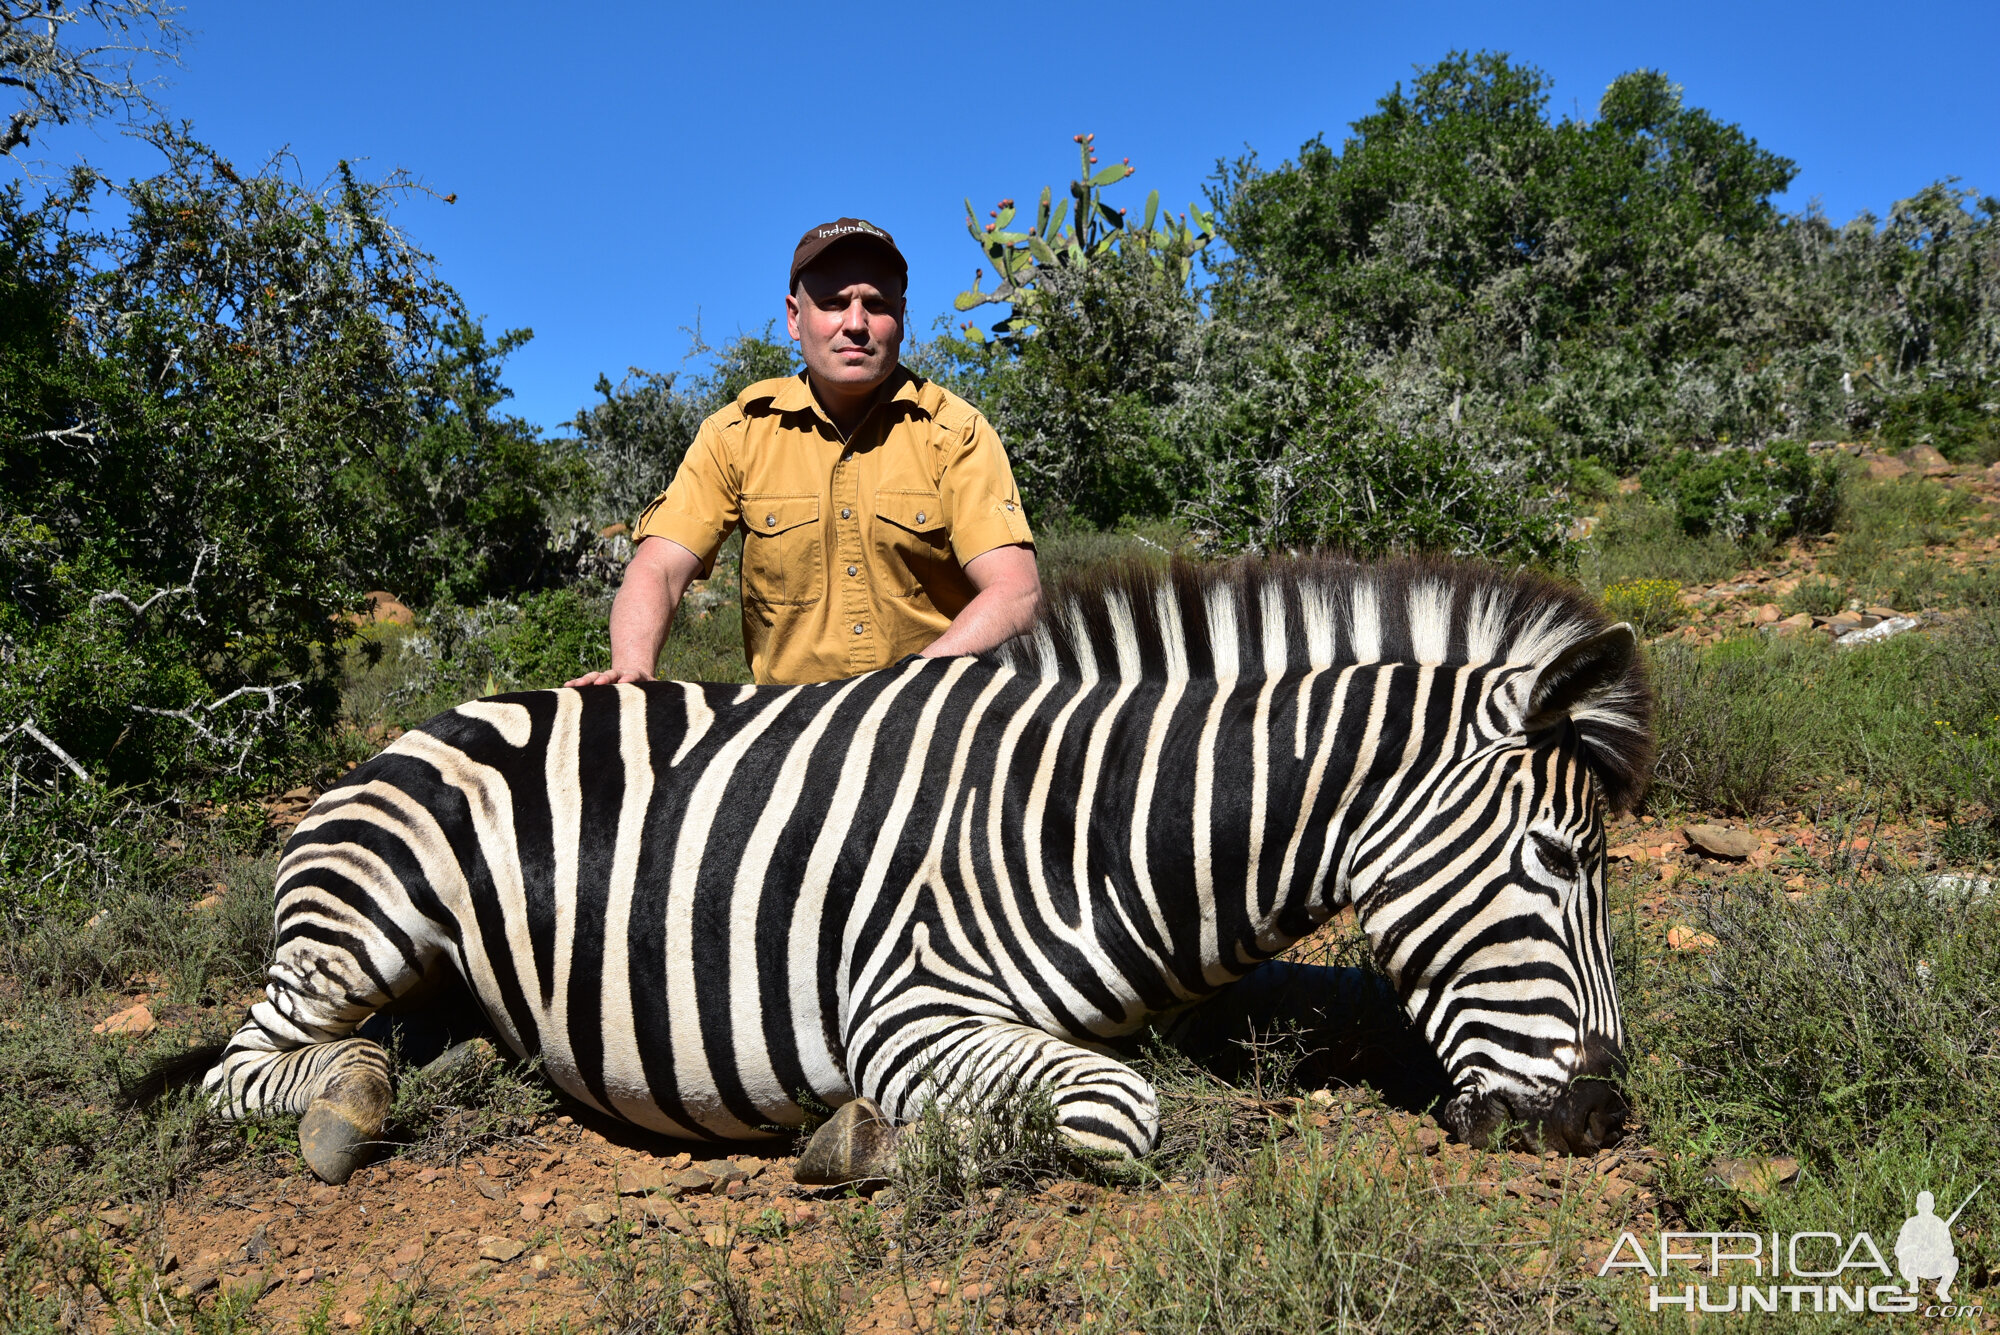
(458,1059)
(341,1129)
(857,1144)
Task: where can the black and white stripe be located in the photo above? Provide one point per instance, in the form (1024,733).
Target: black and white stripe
(699,902)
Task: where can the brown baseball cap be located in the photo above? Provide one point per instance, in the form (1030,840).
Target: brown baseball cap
(843,231)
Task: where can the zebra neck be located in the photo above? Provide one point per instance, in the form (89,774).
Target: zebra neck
(1214,820)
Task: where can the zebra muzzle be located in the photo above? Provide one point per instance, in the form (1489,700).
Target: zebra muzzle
(1583,1118)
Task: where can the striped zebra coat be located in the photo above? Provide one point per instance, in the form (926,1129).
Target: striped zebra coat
(699,903)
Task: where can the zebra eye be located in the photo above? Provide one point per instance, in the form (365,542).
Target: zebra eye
(1555,856)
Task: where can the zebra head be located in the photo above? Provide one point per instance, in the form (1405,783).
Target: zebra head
(1485,898)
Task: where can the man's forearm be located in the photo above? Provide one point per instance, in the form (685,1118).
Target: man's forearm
(994,616)
(640,616)
(659,573)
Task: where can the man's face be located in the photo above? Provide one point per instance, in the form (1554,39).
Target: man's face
(847,315)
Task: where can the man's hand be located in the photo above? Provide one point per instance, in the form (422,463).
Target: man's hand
(1009,598)
(659,574)
(608,677)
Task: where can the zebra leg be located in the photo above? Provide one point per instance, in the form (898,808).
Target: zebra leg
(976,1065)
(296,1052)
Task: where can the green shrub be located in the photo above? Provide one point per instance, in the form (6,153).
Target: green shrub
(1362,472)
(1651,605)
(1817,595)
(1779,491)
(1852,1028)
(1726,725)
(1638,538)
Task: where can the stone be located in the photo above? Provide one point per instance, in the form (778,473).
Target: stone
(1926,460)
(503,1250)
(1884,469)
(1881,613)
(386,609)
(1881,630)
(1993,472)
(1687,938)
(692,1180)
(1756,1177)
(1768,614)
(134,1021)
(722,1170)
(1792,625)
(592,1215)
(641,1182)
(1720,842)
(408,1254)
(1950,886)
(537,1198)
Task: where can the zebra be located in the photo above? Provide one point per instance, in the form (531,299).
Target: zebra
(703,905)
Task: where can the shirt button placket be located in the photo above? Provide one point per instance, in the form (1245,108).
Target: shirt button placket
(854,600)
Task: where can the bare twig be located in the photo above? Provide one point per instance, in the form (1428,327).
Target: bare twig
(49,744)
(60,78)
(208,550)
(194,716)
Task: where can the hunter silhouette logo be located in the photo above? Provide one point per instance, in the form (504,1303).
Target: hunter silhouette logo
(1923,1248)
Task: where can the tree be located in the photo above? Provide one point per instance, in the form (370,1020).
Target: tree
(69,62)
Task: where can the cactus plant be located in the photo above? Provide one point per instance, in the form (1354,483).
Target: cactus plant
(1056,239)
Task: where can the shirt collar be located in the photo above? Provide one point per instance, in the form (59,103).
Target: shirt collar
(797,395)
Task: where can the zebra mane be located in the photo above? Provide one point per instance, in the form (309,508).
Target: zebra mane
(1261,618)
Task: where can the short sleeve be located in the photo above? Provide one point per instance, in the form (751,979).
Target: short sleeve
(700,507)
(981,498)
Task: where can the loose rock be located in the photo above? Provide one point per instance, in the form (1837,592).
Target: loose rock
(1853,639)
(1926,460)
(1721,842)
(500,1249)
(1793,624)
(1757,1177)
(133,1020)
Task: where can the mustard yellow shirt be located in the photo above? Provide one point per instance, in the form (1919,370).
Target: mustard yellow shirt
(854,550)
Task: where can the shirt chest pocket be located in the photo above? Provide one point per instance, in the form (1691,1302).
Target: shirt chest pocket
(782,558)
(911,539)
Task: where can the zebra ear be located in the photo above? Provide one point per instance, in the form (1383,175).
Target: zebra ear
(1578,673)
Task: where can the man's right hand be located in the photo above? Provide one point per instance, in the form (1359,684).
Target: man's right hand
(659,573)
(609,677)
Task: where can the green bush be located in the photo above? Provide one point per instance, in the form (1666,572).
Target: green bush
(1727,726)
(1361,472)
(1651,605)
(1776,492)
(1815,595)
(1853,1029)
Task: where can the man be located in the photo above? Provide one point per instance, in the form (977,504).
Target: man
(879,515)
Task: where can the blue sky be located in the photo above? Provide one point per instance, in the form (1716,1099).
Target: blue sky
(622,169)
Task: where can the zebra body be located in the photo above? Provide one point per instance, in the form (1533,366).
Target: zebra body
(698,903)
